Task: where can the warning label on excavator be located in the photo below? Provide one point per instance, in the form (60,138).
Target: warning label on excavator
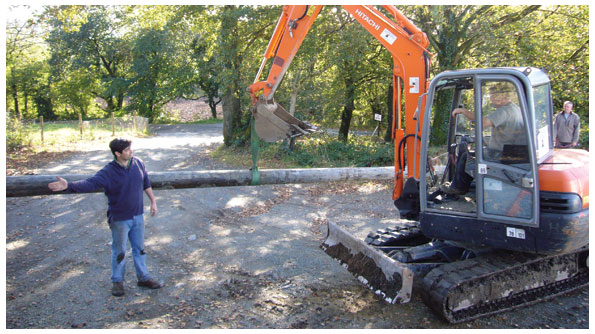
(414,85)
(518,233)
(388,36)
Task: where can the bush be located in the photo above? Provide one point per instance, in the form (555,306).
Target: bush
(17,135)
(313,151)
(584,136)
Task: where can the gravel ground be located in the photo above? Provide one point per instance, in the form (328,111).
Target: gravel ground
(235,257)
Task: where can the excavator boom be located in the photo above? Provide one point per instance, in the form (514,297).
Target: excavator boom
(408,47)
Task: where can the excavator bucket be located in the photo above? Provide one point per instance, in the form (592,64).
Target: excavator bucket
(273,123)
(388,278)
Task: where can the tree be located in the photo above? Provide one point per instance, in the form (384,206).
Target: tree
(455,32)
(91,38)
(77,92)
(229,41)
(240,41)
(26,66)
(157,75)
(554,38)
(362,63)
(340,77)
(207,72)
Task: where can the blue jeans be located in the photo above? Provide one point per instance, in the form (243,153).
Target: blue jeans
(133,229)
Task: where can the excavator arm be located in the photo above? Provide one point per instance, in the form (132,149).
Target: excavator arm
(408,47)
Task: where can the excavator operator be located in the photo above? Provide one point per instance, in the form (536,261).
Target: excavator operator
(506,124)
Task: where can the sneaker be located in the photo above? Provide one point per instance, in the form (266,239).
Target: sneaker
(118,289)
(150,283)
(449,189)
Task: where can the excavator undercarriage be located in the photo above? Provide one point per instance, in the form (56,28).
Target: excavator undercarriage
(458,283)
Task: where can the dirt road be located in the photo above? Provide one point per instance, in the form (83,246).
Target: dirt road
(236,257)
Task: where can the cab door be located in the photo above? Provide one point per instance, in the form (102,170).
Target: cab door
(506,176)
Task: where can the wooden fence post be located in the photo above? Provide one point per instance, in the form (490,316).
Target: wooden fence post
(41,126)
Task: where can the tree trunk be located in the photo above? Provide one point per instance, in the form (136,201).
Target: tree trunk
(227,119)
(290,143)
(26,98)
(110,103)
(15,97)
(346,120)
(232,117)
(120,101)
(213,106)
(232,113)
(348,109)
(388,135)
(293,100)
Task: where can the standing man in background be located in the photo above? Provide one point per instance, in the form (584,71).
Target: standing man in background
(566,127)
(123,181)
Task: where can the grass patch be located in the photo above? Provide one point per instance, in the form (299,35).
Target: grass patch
(315,151)
(60,137)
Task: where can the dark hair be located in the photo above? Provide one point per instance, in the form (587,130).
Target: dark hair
(119,145)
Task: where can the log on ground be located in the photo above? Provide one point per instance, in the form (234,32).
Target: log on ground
(34,185)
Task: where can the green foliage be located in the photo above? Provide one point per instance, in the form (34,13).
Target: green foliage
(17,135)
(584,136)
(149,68)
(91,40)
(240,43)
(27,71)
(76,91)
(554,38)
(149,55)
(357,151)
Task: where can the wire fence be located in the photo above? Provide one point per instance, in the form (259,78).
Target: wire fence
(129,123)
(35,132)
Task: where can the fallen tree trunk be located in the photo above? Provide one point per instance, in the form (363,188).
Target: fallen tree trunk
(33,185)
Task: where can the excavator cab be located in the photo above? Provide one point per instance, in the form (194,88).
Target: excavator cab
(482,185)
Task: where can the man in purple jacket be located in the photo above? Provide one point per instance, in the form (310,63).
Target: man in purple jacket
(123,181)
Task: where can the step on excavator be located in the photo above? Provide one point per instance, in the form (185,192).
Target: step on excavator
(491,218)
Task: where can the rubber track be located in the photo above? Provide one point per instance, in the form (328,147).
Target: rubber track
(399,235)
(444,280)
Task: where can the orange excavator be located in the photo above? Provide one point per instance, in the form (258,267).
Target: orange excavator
(492,218)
